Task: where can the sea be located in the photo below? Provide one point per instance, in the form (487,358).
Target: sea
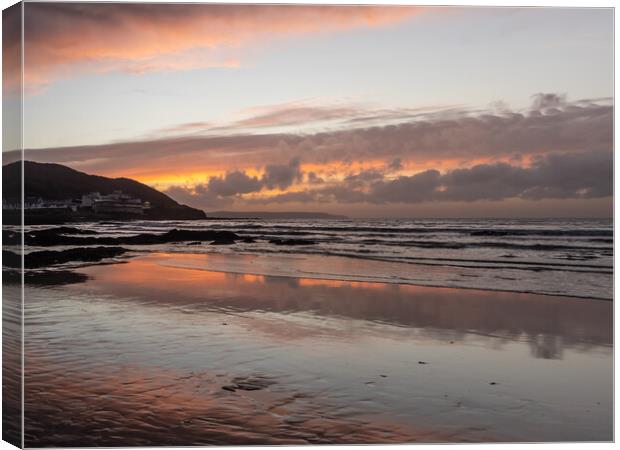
(566,257)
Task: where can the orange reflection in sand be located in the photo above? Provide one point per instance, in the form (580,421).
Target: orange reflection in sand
(178,279)
(248,278)
(144,271)
(340,283)
(157,275)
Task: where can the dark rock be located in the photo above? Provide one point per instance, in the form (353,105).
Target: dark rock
(11,237)
(67,230)
(255,383)
(223,241)
(489,233)
(192,235)
(194,243)
(44,277)
(492,383)
(248,240)
(14,237)
(49,236)
(229,388)
(46,238)
(11,259)
(249,387)
(422,362)
(292,242)
(48,258)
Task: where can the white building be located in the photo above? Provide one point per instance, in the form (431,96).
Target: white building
(117,202)
(89,199)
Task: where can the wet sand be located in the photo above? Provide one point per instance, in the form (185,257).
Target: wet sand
(11,363)
(157,351)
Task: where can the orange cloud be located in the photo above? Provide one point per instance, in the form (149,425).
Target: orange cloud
(62,39)
(190,175)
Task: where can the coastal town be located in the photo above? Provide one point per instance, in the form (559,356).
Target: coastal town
(95,202)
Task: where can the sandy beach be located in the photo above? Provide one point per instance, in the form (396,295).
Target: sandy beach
(159,351)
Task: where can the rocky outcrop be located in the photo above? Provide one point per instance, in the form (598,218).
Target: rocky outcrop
(65,236)
(47,258)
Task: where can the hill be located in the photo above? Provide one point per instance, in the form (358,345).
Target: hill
(58,182)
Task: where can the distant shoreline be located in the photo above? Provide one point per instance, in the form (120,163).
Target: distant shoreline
(247,215)
(14,217)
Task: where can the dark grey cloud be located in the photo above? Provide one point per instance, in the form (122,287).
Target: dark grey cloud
(313,178)
(233,183)
(581,175)
(224,189)
(199,197)
(413,189)
(557,176)
(542,101)
(363,177)
(487,181)
(282,175)
(396,164)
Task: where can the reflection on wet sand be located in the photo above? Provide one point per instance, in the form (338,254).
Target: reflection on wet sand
(548,323)
(149,353)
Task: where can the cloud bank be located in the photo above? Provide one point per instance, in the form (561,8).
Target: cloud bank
(456,135)
(555,176)
(555,149)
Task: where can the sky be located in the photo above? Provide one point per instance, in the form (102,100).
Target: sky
(367,111)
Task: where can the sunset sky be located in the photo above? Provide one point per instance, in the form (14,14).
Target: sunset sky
(363,111)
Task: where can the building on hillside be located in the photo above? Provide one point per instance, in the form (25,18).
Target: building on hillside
(38,203)
(11,203)
(117,202)
(89,199)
